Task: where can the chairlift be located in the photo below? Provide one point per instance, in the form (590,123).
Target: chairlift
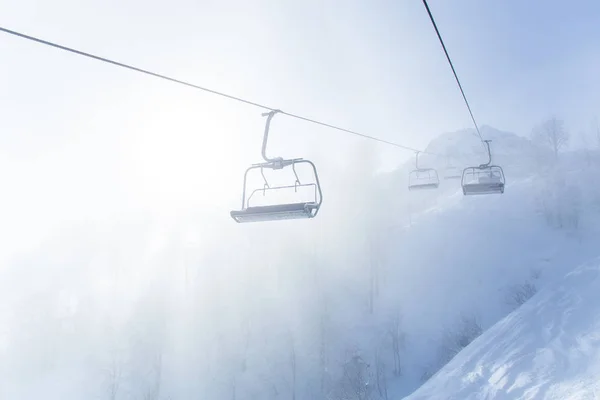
(484,179)
(422,178)
(273,212)
(451,172)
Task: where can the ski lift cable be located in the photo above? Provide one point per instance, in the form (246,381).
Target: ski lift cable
(454,72)
(215,92)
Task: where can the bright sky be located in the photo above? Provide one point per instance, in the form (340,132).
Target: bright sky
(83,140)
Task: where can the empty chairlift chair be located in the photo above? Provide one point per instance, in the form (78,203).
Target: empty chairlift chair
(452,172)
(484,179)
(422,178)
(278,211)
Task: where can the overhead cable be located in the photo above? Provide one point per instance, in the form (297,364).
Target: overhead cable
(203,88)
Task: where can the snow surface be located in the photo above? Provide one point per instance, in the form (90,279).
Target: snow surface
(549,348)
(462,256)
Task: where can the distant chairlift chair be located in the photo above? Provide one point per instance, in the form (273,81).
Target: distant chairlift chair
(297,210)
(484,179)
(422,178)
(452,172)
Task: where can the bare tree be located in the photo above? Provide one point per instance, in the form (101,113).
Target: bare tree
(586,147)
(114,374)
(324,339)
(323,342)
(247,330)
(454,340)
(518,294)
(596,131)
(552,134)
(397,336)
(293,364)
(374,264)
(152,392)
(354,384)
(233,384)
(380,374)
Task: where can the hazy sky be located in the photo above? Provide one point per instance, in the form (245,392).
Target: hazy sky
(82,140)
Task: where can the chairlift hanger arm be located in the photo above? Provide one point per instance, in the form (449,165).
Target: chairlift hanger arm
(269,116)
(487,142)
(275,162)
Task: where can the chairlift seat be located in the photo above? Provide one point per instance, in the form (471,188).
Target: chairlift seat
(280,211)
(422,186)
(276,212)
(423,178)
(483,188)
(452,173)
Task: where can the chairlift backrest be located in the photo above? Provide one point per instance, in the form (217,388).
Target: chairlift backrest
(483,180)
(423,178)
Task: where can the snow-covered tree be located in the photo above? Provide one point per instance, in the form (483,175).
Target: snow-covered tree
(552,134)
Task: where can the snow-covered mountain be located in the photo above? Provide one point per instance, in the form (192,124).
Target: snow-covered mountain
(454,151)
(464,148)
(549,348)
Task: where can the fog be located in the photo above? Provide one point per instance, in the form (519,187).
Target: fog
(122,275)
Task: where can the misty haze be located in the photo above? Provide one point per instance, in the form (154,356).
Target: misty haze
(391,239)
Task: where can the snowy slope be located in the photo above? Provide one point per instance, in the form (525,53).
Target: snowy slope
(462,256)
(547,349)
